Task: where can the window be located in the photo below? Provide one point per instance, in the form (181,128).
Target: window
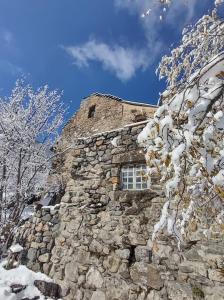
(91,111)
(134,177)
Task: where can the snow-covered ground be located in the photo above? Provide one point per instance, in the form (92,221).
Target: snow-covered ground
(20,276)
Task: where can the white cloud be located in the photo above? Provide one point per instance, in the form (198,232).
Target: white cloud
(6,37)
(8,67)
(123,62)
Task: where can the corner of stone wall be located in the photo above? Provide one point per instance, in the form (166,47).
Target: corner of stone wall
(37,236)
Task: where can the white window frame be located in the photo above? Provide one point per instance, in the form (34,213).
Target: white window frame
(132,177)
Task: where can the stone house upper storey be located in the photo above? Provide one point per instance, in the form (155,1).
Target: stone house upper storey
(103,135)
(100,113)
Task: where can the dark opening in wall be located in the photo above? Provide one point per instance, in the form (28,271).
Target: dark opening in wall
(150,256)
(131,259)
(140,118)
(92,110)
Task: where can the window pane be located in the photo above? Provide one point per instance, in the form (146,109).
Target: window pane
(138,179)
(138,186)
(124,186)
(134,177)
(144,185)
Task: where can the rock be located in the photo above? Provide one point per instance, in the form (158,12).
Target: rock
(142,253)
(154,279)
(115,180)
(98,295)
(123,253)
(47,268)
(193,267)
(71,272)
(137,239)
(32,254)
(94,278)
(44,258)
(112,263)
(46,218)
(162,251)
(81,280)
(178,291)
(215,293)
(82,256)
(216,275)
(39,227)
(48,289)
(47,239)
(74,224)
(153,295)
(17,288)
(36,245)
(146,274)
(201,280)
(95,247)
(34,298)
(34,266)
(214,258)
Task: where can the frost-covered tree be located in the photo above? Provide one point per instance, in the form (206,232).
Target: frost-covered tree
(29,123)
(161,7)
(185,140)
(199,44)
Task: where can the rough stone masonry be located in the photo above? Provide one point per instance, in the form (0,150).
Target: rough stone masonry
(97,243)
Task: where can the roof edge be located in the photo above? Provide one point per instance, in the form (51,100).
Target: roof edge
(121,100)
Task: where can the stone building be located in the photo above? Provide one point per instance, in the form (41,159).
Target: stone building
(104,117)
(97,242)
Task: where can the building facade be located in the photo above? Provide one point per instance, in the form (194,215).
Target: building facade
(97,242)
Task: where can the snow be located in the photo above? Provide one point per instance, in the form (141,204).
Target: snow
(20,275)
(51,207)
(185,142)
(16,248)
(200,42)
(218,115)
(186,216)
(108,131)
(114,141)
(27,212)
(219,179)
(163,220)
(30,120)
(218,2)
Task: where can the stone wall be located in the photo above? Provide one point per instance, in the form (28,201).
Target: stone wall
(109,113)
(99,245)
(37,236)
(103,229)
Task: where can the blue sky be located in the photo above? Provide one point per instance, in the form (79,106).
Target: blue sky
(87,46)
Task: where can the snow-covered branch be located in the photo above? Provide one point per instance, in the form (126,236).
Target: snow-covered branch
(199,43)
(185,144)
